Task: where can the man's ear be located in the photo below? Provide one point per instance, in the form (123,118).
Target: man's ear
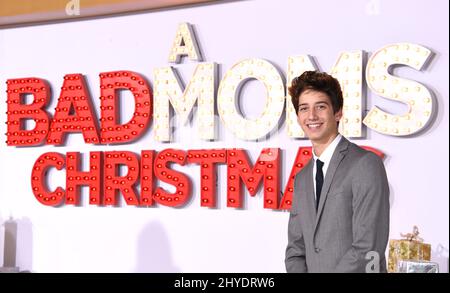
(338,115)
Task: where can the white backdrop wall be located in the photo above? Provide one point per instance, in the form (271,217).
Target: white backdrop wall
(194,238)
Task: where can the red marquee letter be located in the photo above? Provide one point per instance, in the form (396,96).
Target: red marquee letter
(38,179)
(76,178)
(373,150)
(175,178)
(304,154)
(207,159)
(110,82)
(73,112)
(18,111)
(267,165)
(113,183)
(147,178)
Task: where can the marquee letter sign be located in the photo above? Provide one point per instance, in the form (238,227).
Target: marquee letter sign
(120,176)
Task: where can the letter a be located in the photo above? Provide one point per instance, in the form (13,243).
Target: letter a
(185,43)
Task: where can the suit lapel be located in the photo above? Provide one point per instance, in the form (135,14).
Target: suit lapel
(338,155)
(309,187)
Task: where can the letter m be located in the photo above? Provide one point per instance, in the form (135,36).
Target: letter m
(200,89)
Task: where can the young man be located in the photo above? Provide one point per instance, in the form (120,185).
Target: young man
(339,220)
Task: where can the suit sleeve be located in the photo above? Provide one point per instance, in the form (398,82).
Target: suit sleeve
(295,260)
(370,218)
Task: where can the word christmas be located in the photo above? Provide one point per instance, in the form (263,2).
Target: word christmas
(105,183)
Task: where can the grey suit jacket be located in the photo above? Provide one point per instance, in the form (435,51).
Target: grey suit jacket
(350,230)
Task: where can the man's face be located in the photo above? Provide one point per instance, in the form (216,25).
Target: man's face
(316,117)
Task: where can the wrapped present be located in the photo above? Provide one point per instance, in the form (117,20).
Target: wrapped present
(417,266)
(411,247)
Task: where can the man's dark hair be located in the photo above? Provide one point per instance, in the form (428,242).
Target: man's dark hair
(318,81)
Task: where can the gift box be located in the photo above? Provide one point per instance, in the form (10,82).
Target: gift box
(417,266)
(411,247)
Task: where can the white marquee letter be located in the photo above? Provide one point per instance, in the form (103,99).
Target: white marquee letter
(226,98)
(200,88)
(348,70)
(414,94)
(185,43)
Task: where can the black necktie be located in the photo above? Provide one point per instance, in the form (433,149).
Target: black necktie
(319,181)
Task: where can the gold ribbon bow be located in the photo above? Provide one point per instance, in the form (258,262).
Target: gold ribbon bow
(414,236)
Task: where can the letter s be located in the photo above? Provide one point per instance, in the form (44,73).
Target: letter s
(415,95)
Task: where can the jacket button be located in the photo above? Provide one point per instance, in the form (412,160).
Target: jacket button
(317,250)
